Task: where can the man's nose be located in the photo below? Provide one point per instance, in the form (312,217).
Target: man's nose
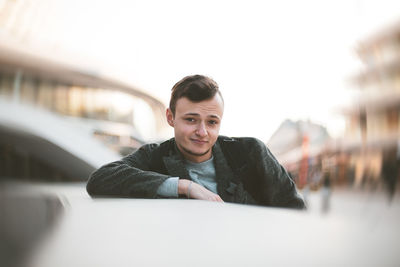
(201,130)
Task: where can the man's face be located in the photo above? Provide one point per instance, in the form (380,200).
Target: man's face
(196,126)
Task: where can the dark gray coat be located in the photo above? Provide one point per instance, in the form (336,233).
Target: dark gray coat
(246,172)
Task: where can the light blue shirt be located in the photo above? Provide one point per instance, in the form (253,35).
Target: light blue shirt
(202,173)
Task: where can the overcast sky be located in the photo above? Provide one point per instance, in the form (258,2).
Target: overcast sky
(272,59)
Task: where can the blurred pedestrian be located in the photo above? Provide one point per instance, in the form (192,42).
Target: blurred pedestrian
(326,191)
(390,171)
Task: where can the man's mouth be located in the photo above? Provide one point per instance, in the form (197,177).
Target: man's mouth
(200,142)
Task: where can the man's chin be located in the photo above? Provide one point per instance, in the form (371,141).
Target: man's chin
(196,152)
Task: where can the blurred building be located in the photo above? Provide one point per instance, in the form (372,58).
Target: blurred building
(375,117)
(298,146)
(60,117)
(368,154)
(373,122)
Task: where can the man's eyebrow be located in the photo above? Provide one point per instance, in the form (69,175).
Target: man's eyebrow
(191,114)
(215,116)
(197,114)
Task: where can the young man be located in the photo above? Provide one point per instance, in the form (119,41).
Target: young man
(198,163)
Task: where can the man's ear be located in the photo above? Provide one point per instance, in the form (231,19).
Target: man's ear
(170,117)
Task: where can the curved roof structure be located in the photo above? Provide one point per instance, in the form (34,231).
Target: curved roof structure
(53,140)
(14,56)
(62,144)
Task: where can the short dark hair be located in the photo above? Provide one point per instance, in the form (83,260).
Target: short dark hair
(196,88)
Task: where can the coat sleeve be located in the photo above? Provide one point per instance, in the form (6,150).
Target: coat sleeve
(277,188)
(128,177)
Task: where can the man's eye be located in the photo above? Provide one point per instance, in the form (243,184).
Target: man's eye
(189,119)
(213,122)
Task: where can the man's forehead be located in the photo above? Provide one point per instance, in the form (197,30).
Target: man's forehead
(209,107)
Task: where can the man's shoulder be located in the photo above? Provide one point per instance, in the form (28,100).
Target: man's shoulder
(162,147)
(242,146)
(245,141)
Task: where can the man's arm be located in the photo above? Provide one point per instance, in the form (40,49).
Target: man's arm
(131,177)
(128,177)
(278,189)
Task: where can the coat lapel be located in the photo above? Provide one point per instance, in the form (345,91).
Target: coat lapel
(175,165)
(224,174)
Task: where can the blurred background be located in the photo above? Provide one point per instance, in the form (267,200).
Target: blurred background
(83,83)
